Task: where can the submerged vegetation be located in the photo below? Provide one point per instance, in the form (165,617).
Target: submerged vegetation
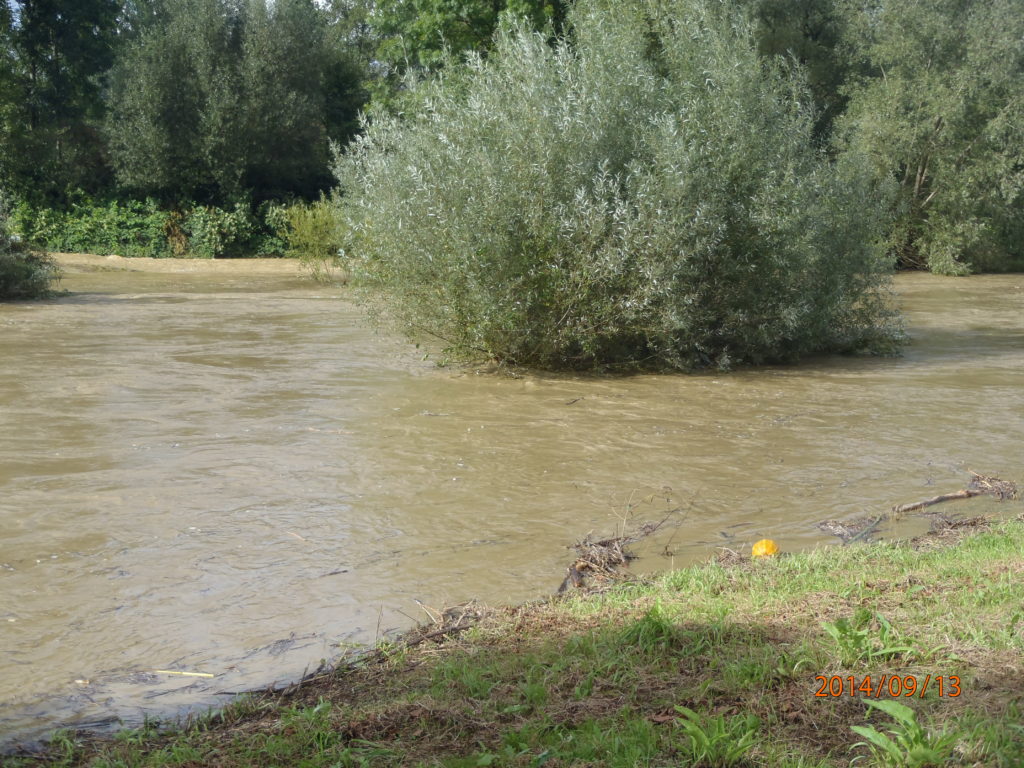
(648,195)
(880,654)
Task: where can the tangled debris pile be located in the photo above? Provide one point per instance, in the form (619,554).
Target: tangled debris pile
(599,562)
(981,485)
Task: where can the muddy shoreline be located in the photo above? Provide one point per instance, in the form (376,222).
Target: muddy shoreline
(87,262)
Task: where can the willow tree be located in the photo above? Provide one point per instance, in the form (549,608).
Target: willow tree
(646,193)
(941,111)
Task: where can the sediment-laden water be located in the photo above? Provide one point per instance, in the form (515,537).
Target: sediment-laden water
(231,474)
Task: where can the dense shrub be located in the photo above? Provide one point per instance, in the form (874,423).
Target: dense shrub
(23,275)
(646,196)
(133,228)
(145,228)
(216,233)
(943,114)
(312,235)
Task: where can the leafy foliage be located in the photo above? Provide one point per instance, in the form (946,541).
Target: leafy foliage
(808,32)
(136,228)
(716,741)
(214,100)
(52,65)
(908,744)
(23,275)
(857,641)
(145,228)
(646,196)
(312,236)
(943,113)
(422,34)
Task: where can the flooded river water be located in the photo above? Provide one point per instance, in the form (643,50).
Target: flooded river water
(231,474)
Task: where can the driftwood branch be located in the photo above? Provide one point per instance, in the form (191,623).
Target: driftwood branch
(981,485)
(863,527)
(602,561)
(966,493)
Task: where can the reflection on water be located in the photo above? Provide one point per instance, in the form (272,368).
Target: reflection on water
(230,475)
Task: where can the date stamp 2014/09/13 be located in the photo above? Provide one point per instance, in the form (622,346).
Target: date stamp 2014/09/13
(893,685)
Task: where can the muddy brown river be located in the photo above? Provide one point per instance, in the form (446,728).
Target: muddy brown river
(232,474)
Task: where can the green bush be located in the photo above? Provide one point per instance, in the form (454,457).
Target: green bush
(272,230)
(131,228)
(145,228)
(647,196)
(215,233)
(312,236)
(23,275)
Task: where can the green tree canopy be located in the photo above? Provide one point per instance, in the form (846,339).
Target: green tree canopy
(419,34)
(214,99)
(55,58)
(648,195)
(809,32)
(942,111)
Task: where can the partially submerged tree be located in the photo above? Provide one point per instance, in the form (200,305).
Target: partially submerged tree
(649,196)
(942,112)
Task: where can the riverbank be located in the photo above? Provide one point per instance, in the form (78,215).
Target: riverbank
(731,662)
(87,262)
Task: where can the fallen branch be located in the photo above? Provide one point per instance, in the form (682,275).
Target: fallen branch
(850,531)
(966,493)
(981,485)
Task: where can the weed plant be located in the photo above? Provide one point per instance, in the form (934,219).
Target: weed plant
(646,194)
(716,741)
(907,744)
(858,642)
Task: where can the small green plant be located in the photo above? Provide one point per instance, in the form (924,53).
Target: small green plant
(144,733)
(717,742)
(63,746)
(312,236)
(652,632)
(910,745)
(858,641)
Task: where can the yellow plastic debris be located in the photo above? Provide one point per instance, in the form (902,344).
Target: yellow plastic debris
(765,548)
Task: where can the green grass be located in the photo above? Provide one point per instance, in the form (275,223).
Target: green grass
(713,665)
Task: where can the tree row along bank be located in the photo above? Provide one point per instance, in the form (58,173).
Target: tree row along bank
(910,654)
(114,115)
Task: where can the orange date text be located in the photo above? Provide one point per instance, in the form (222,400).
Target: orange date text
(893,686)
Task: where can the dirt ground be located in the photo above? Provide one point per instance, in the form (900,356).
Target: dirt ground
(86,262)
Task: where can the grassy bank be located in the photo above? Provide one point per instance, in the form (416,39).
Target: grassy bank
(714,665)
